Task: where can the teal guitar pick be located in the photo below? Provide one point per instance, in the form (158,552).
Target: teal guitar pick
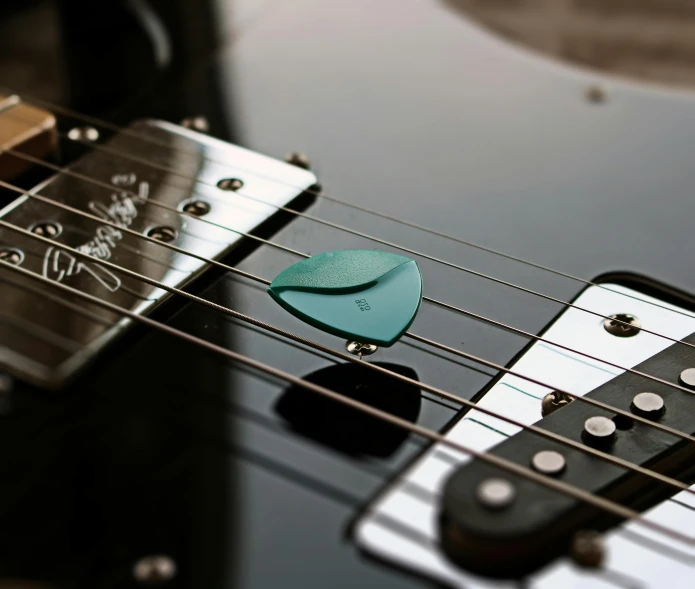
(362,295)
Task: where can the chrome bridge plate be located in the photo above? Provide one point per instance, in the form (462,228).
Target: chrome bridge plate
(400,526)
(46,343)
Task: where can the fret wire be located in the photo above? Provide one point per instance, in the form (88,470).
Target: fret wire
(266,282)
(496,461)
(537,430)
(318,194)
(67,171)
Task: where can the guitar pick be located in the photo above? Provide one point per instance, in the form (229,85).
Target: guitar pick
(362,295)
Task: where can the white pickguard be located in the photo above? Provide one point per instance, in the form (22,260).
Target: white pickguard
(400,526)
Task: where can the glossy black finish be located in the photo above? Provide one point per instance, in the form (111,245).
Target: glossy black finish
(402,106)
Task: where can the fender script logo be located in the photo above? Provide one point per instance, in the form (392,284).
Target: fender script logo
(59,264)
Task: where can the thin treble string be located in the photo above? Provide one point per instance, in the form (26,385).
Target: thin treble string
(69,172)
(318,194)
(409,334)
(266,282)
(496,461)
(227,311)
(313,218)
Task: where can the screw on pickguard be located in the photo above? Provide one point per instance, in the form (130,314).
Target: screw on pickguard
(622,325)
(554,401)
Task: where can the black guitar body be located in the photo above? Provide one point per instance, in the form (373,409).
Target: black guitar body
(405,107)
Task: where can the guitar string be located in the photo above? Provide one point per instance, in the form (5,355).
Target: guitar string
(480,247)
(266,282)
(318,194)
(89,179)
(337,226)
(542,432)
(411,335)
(383,519)
(423,339)
(386,520)
(69,172)
(496,461)
(426,341)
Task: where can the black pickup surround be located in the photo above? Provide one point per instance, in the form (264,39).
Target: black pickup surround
(533,524)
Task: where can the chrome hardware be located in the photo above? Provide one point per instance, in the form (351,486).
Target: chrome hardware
(232,184)
(298,159)
(12,256)
(48,229)
(83,134)
(360,349)
(198,123)
(154,570)
(615,325)
(162,233)
(197,208)
(587,549)
(554,401)
(549,462)
(596,94)
(131,204)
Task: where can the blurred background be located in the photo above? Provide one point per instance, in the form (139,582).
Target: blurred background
(651,40)
(647,39)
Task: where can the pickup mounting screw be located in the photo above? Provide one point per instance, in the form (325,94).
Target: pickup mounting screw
(83,134)
(12,256)
(587,549)
(549,462)
(616,325)
(495,493)
(230,184)
(360,349)
(596,94)
(649,405)
(197,208)
(198,123)
(162,233)
(47,229)
(687,378)
(154,570)
(599,431)
(554,401)
(298,159)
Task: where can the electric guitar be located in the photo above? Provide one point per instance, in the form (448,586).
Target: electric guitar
(338,294)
